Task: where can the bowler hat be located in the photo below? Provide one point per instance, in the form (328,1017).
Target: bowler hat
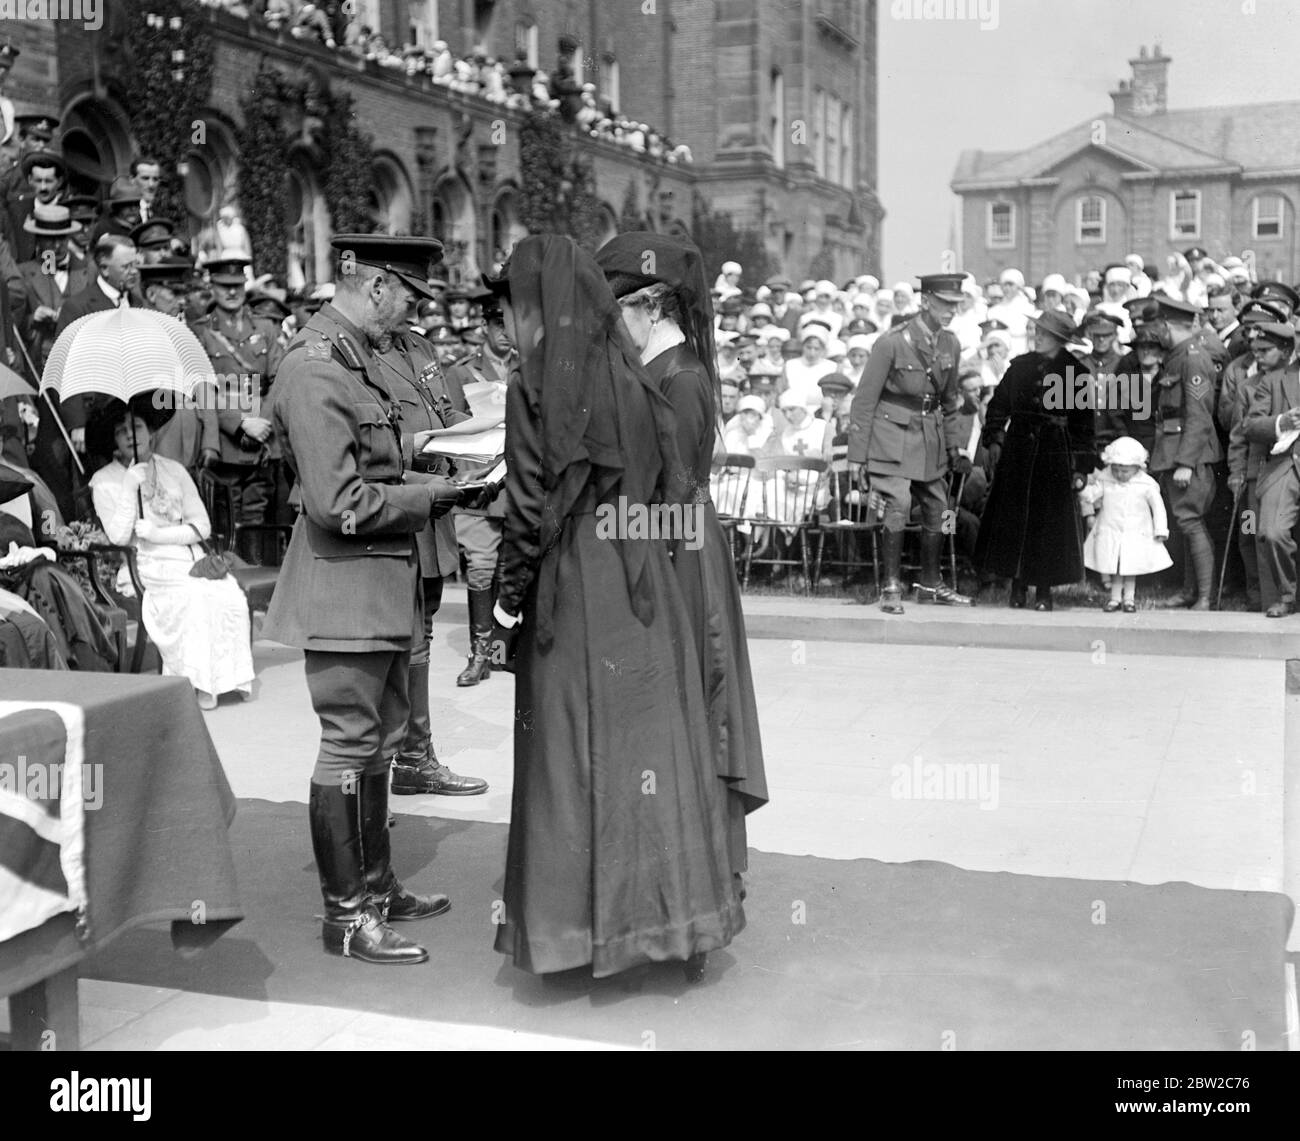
(123,192)
(43,158)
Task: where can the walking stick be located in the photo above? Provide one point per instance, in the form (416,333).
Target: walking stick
(1227,546)
(952,537)
(67,439)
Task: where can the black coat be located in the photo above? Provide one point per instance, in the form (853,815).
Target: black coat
(1031,529)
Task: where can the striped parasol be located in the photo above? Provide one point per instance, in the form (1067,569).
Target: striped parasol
(125,353)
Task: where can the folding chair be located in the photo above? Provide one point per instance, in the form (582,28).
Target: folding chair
(790,488)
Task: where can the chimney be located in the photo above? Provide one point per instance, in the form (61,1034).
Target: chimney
(1147,93)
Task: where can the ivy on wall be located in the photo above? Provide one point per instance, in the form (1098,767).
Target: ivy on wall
(165,82)
(720,240)
(341,152)
(558,185)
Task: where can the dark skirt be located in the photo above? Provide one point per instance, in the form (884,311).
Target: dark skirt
(707,577)
(1031,529)
(618,850)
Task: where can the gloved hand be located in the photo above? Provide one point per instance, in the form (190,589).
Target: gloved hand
(482,500)
(501,642)
(960,462)
(443,496)
(994,454)
(146,529)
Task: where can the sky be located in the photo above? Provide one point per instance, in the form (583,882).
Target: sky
(1041,67)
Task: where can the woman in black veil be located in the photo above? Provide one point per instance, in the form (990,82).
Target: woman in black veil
(662,289)
(618,851)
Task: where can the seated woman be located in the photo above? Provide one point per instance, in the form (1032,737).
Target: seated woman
(200,625)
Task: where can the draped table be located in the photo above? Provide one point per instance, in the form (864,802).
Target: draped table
(156,847)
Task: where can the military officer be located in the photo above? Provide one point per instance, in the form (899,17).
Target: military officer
(1186,447)
(245,353)
(904,434)
(349,590)
(479,528)
(426,399)
(1272,411)
(1110,386)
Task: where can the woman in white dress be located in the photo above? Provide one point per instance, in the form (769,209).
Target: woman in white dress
(200,625)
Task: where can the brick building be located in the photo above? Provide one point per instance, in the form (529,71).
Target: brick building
(1141,179)
(776,101)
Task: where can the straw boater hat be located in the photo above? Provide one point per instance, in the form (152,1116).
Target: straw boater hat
(51,221)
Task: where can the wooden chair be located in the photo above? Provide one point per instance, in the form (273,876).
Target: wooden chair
(789,507)
(250,566)
(133,643)
(729,487)
(846,520)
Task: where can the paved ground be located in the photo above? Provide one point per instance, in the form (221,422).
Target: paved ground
(1083,764)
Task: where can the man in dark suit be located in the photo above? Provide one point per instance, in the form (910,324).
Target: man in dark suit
(35,133)
(48,279)
(121,212)
(1272,411)
(117,275)
(45,173)
(348,593)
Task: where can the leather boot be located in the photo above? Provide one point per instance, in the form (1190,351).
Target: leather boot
(386,893)
(1201,552)
(932,588)
(891,593)
(479,666)
(353,926)
(418,743)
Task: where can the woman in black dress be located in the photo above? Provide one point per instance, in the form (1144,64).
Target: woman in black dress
(1039,433)
(662,288)
(618,829)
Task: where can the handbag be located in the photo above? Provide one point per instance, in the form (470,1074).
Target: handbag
(211,565)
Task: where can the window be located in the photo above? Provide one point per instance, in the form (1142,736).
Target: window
(819,132)
(1090,220)
(848,176)
(609,78)
(1185,214)
(833,139)
(1001,225)
(776,122)
(526,41)
(1267,216)
(423,16)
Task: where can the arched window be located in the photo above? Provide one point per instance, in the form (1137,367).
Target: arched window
(609,83)
(1090,220)
(776,117)
(526,41)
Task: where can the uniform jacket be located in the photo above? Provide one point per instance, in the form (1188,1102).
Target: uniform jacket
(1244,455)
(349,581)
(412,375)
(893,438)
(1270,396)
(245,353)
(1184,411)
(1236,375)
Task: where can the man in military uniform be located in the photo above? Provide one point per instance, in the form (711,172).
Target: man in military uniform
(1186,448)
(904,435)
(479,528)
(1103,362)
(426,399)
(192,435)
(245,353)
(1272,411)
(349,591)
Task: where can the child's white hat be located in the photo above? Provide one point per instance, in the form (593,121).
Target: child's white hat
(1125,450)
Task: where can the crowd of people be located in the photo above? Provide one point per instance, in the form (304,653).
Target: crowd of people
(1032,388)
(517,85)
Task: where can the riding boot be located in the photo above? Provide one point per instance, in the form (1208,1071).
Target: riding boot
(932,588)
(1200,551)
(891,593)
(352,926)
(418,743)
(391,899)
(479,666)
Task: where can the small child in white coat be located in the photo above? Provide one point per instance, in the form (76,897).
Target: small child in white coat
(1129,537)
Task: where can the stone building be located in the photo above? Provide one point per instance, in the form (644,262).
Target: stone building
(775,101)
(1141,179)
